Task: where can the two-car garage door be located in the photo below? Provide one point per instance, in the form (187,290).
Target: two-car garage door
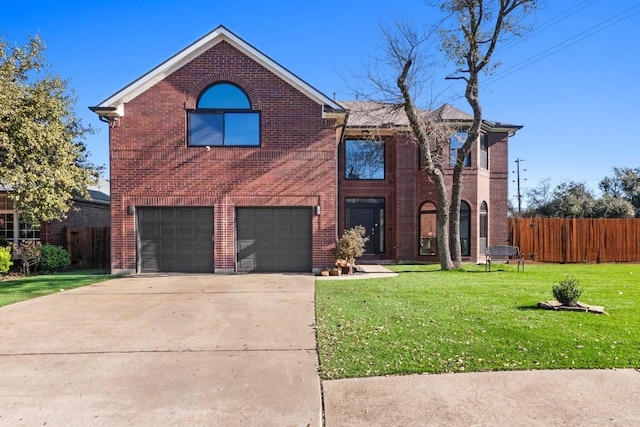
(180,239)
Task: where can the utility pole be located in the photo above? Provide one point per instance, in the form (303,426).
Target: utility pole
(518,161)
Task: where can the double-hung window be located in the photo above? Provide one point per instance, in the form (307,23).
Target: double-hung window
(223,117)
(456,141)
(483,160)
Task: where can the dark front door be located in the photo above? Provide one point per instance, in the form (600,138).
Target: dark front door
(369,213)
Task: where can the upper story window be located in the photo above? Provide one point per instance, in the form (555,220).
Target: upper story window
(483,160)
(364,159)
(223,117)
(456,141)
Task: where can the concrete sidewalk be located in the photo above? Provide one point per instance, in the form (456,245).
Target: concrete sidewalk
(164,350)
(519,398)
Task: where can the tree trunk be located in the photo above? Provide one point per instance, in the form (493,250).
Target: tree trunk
(443,222)
(419,132)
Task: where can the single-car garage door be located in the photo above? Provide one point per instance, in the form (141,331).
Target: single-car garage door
(175,239)
(274,239)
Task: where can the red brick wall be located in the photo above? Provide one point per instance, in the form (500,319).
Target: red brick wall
(88,214)
(499,201)
(405,188)
(151,164)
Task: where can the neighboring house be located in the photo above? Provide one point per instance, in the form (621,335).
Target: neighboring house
(222,160)
(84,213)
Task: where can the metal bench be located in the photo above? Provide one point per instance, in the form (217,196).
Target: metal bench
(503,252)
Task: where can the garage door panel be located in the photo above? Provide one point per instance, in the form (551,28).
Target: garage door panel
(175,239)
(273,239)
(167,214)
(186,215)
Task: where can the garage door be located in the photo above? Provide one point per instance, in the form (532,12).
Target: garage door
(274,239)
(175,239)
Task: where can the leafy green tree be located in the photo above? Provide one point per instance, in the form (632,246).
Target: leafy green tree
(625,185)
(574,200)
(613,207)
(43,162)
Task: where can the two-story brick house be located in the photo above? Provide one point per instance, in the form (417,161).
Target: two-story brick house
(382,185)
(222,160)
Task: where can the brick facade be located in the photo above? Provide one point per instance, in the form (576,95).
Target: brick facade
(84,213)
(405,188)
(151,164)
(299,163)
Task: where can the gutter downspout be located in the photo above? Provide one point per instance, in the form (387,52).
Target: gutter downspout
(340,141)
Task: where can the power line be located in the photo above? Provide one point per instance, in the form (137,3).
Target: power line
(565,44)
(546,25)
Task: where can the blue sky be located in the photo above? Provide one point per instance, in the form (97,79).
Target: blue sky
(571,83)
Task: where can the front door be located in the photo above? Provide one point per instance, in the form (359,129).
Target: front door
(369,213)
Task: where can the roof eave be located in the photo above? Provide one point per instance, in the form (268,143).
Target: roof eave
(186,55)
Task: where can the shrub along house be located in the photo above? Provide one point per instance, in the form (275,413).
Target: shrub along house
(222,160)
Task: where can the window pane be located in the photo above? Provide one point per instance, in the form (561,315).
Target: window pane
(224,96)
(484,151)
(428,229)
(242,129)
(206,129)
(456,141)
(6,225)
(364,159)
(29,232)
(465,228)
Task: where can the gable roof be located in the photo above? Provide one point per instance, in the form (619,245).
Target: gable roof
(113,106)
(377,114)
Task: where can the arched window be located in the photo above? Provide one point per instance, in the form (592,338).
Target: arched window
(465,228)
(428,229)
(223,117)
(484,227)
(224,96)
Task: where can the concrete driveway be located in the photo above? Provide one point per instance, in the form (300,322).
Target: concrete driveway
(164,350)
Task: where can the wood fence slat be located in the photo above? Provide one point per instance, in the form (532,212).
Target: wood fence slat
(88,247)
(570,240)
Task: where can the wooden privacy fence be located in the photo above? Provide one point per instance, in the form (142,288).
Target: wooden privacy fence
(577,239)
(88,247)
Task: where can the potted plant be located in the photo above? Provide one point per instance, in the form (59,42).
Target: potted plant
(349,246)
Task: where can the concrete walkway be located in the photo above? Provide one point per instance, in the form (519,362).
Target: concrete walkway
(164,350)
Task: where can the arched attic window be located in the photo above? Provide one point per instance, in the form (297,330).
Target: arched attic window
(223,117)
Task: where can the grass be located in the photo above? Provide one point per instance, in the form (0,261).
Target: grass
(24,288)
(431,321)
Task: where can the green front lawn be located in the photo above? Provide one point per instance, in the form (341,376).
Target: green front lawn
(426,320)
(23,288)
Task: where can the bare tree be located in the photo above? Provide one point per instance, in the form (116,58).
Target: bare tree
(468,34)
(471,44)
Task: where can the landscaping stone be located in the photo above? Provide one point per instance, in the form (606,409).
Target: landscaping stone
(556,305)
